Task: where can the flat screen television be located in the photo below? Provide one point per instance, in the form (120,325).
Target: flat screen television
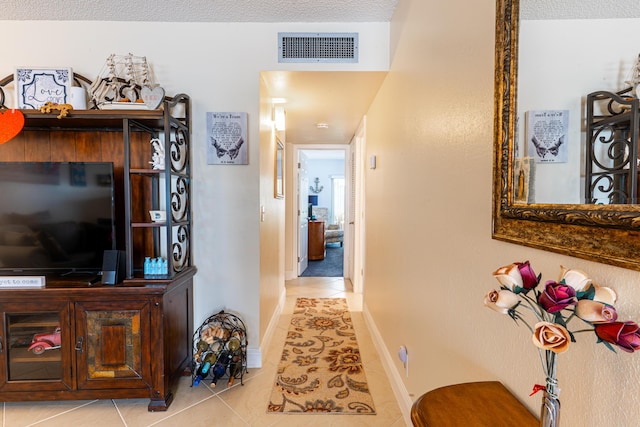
(55,217)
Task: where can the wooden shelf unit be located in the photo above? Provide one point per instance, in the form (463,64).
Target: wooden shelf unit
(99,323)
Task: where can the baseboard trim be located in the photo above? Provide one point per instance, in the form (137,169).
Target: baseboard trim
(254,354)
(397,385)
(254,357)
(290,275)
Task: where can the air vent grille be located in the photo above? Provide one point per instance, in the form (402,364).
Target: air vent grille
(317,47)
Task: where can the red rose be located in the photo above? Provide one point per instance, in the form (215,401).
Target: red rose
(529,277)
(623,334)
(556,297)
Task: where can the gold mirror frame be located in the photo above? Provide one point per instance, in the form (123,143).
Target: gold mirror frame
(602,233)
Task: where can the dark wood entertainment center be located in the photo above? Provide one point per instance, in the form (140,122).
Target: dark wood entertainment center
(132,339)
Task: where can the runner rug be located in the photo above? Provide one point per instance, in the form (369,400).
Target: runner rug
(320,370)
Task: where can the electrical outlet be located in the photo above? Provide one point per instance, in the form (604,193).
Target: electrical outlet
(403,355)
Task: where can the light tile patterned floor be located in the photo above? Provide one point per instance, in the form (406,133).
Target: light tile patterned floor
(240,405)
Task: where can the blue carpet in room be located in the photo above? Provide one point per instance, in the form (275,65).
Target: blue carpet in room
(330,266)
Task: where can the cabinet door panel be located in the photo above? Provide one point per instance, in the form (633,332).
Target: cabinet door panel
(35,350)
(113,349)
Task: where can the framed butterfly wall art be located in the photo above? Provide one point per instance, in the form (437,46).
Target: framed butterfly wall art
(227,139)
(546,136)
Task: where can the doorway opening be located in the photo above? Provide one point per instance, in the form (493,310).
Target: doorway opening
(323,180)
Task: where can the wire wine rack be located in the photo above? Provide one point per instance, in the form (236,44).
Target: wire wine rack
(219,350)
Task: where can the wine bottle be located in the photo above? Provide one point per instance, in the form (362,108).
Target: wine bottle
(220,368)
(205,368)
(201,346)
(234,367)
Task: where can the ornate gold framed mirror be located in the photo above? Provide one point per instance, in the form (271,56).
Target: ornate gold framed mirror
(603,233)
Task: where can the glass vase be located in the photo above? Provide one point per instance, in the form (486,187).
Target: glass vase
(550,411)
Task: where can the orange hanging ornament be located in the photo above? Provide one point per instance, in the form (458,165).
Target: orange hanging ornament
(11,123)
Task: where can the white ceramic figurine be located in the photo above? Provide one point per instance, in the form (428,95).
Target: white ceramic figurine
(157,160)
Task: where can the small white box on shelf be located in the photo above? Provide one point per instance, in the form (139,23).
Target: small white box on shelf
(22,282)
(158,216)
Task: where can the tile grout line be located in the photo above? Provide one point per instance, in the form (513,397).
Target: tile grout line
(61,413)
(233,410)
(182,410)
(115,405)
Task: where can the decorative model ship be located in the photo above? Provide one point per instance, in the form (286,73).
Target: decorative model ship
(125,83)
(634,79)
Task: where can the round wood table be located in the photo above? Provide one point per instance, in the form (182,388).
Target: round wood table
(476,404)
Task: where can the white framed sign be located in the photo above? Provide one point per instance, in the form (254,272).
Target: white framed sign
(37,86)
(227,139)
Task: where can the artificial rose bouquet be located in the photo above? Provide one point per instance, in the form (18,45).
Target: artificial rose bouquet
(554,305)
(574,295)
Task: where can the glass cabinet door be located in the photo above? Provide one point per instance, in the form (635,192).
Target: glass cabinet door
(35,346)
(33,351)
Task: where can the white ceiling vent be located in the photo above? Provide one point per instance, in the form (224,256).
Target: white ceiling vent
(317,47)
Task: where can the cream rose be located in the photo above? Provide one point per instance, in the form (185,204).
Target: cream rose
(551,336)
(595,312)
(577,279)
(509,276)
(501,301)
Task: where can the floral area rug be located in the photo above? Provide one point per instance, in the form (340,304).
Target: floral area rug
(320,370)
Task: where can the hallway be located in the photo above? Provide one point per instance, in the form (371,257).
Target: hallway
(236,406)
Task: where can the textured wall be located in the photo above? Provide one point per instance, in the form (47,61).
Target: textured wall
(426,276)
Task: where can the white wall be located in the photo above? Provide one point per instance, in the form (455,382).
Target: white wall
(218,65)
(324,169)
(431,127)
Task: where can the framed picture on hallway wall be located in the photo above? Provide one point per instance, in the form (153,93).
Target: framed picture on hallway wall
(278,192)
(227,139)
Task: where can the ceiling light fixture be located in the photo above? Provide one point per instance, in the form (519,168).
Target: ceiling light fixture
(279,117)
(322,125)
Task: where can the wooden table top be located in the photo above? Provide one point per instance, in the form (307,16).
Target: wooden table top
(483,404)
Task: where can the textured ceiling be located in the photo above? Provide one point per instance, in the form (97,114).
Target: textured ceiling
(579,9)
(340,99)
(201,10)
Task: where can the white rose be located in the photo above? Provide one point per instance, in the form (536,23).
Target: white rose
(577,279)
(605,295)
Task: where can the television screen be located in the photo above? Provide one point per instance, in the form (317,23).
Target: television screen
(55,217)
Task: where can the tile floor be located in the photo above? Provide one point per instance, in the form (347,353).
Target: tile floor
(240,405)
